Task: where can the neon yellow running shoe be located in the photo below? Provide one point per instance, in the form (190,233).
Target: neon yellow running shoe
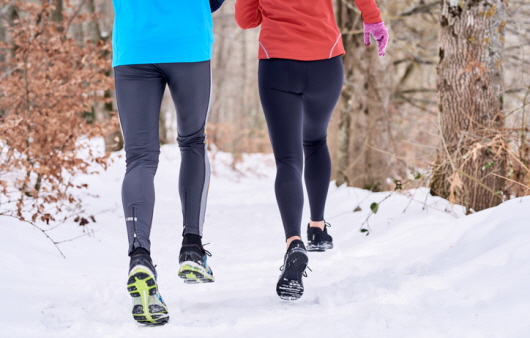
(193,266)
(148,306)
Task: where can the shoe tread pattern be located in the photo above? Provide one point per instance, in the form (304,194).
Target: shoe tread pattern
(193,273)
(290,286)
(148,306)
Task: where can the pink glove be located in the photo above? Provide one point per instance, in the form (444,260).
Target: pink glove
(380,33)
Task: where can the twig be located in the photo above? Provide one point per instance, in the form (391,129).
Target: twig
(513,181)
(420,8)
(371,212)
(480,183)
(43,232)
(73,16)
(412,197)
(350,5)
(74,238)
(444,143)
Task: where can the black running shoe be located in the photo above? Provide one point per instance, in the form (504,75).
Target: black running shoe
(148,306)
(290,286)
(318,240)
(193,266)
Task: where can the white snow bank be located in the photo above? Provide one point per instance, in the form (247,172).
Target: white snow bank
(425,270)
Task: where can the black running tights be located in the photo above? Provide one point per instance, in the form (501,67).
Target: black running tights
(298,98)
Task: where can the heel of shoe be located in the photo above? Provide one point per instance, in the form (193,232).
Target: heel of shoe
(290,286)
(193,273)
(148,306)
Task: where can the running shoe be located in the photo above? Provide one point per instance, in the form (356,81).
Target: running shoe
(193,265)
(318,239)
(290,286)
(148,306)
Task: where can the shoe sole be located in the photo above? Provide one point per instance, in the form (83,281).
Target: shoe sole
(290,286)
(148,309)
(193,273)
(320,247)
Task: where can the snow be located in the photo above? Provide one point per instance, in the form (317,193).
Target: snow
(425,270)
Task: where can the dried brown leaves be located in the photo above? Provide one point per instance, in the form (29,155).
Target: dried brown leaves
(49,84)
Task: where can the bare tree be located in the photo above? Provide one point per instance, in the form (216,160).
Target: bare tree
(90,30)
(236,123)
(472,159)
(363,134)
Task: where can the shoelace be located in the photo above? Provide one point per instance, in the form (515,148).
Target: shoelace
(304,274)
(208,253)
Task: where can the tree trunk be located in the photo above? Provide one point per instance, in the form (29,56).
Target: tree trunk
(10,15)
(343,141)
(471,163)
(91,31)
(363,137)
(57,14)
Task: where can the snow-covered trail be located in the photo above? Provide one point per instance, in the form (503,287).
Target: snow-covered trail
(422,271)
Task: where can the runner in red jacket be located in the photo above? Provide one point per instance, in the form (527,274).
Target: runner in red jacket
(298,30)
(300,79)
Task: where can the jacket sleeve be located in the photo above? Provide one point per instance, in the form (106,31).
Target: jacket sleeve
(370,11)
(248,13)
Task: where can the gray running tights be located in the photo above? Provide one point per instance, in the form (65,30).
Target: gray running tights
(139,92)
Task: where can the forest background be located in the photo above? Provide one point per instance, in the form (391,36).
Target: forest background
(446,108)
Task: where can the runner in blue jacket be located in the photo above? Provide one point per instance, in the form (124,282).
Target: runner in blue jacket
(158,43)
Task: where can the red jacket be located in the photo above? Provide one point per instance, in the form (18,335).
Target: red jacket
(298,29)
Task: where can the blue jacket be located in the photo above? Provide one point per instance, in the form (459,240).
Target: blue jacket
(161,31)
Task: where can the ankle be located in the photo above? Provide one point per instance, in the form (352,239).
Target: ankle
(319,224)
(292,238)
(190,239)
(139,251)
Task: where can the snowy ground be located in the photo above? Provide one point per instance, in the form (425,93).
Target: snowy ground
(424,271)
